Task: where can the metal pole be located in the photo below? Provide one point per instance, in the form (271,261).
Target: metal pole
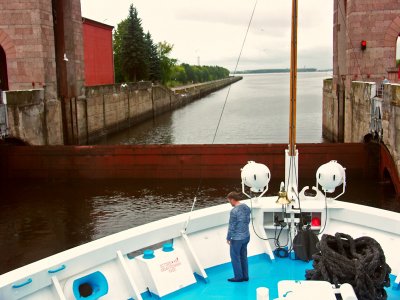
(293,81)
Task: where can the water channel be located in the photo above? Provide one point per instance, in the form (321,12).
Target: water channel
(256,111)
(38,219)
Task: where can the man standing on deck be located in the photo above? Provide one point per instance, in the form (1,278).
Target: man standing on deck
(238,237)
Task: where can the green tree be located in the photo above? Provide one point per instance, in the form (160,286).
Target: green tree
(134,57)
(190,75)
(154,59)
(117,46)
(167,63)
(179,74)
(185,73)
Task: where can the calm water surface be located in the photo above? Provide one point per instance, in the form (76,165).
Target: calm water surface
(256,111)
(38,219)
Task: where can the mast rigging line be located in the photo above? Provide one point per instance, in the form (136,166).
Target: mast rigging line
(234,71)
(222,112)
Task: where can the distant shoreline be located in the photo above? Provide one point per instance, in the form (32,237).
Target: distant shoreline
(281,71)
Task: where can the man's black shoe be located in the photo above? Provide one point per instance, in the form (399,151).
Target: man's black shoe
(246,279)
(235,280)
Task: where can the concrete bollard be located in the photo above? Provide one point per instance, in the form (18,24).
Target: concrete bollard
(262,293)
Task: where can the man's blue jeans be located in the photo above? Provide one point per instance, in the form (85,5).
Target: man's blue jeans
(238,251)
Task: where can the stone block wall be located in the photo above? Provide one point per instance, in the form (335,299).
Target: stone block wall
(53,123)
(161,100)
(376,22)
(110,108)
(103,110)
(115,109)
(357,116)
(27,38)
(34,120)
(140,103)
(391,121)
(94,113)
(329,107)
(357,119)
(359,112)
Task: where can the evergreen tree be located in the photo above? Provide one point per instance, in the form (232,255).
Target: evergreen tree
(117,47)
(154,59)
(134,57)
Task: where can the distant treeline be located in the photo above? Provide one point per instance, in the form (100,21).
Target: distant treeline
(275,71)
(137,57)
(184,73)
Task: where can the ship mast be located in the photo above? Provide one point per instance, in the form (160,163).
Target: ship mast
(293,82)
(291,154)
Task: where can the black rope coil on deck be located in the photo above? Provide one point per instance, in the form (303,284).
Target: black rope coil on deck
(359,262)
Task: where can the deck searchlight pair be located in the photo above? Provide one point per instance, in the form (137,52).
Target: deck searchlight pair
(257,176)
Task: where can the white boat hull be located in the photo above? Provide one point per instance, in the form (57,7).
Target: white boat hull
(201,247)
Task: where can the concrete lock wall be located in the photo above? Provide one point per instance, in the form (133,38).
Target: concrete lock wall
(102,110)
(329,107)
(359,108)
(32,119)
(111,108)
(391,121)
(357,119)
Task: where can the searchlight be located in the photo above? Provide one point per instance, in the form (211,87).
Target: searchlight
(255,176)
(331,175)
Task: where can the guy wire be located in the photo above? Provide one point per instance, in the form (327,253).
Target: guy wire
(222,111)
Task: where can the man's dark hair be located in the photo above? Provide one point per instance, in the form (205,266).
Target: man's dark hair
(234,195)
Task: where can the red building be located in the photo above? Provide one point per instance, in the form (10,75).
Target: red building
(98,53)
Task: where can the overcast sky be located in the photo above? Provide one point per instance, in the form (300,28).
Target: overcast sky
(212,31)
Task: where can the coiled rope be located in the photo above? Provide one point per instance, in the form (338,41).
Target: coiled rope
(359,262)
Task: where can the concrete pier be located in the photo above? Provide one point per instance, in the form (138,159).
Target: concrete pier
(371,113)
(100,111)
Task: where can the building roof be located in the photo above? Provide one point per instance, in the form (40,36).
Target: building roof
(96,23)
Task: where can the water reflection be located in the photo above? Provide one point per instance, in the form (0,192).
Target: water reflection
(38,220)
(257,111)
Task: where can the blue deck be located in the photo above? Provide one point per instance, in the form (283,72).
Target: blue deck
(263,273)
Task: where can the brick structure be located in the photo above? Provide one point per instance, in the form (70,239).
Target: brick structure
(69,44)
(356,105)
(41,48)
(377,23)
(27,39)
(34,36)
